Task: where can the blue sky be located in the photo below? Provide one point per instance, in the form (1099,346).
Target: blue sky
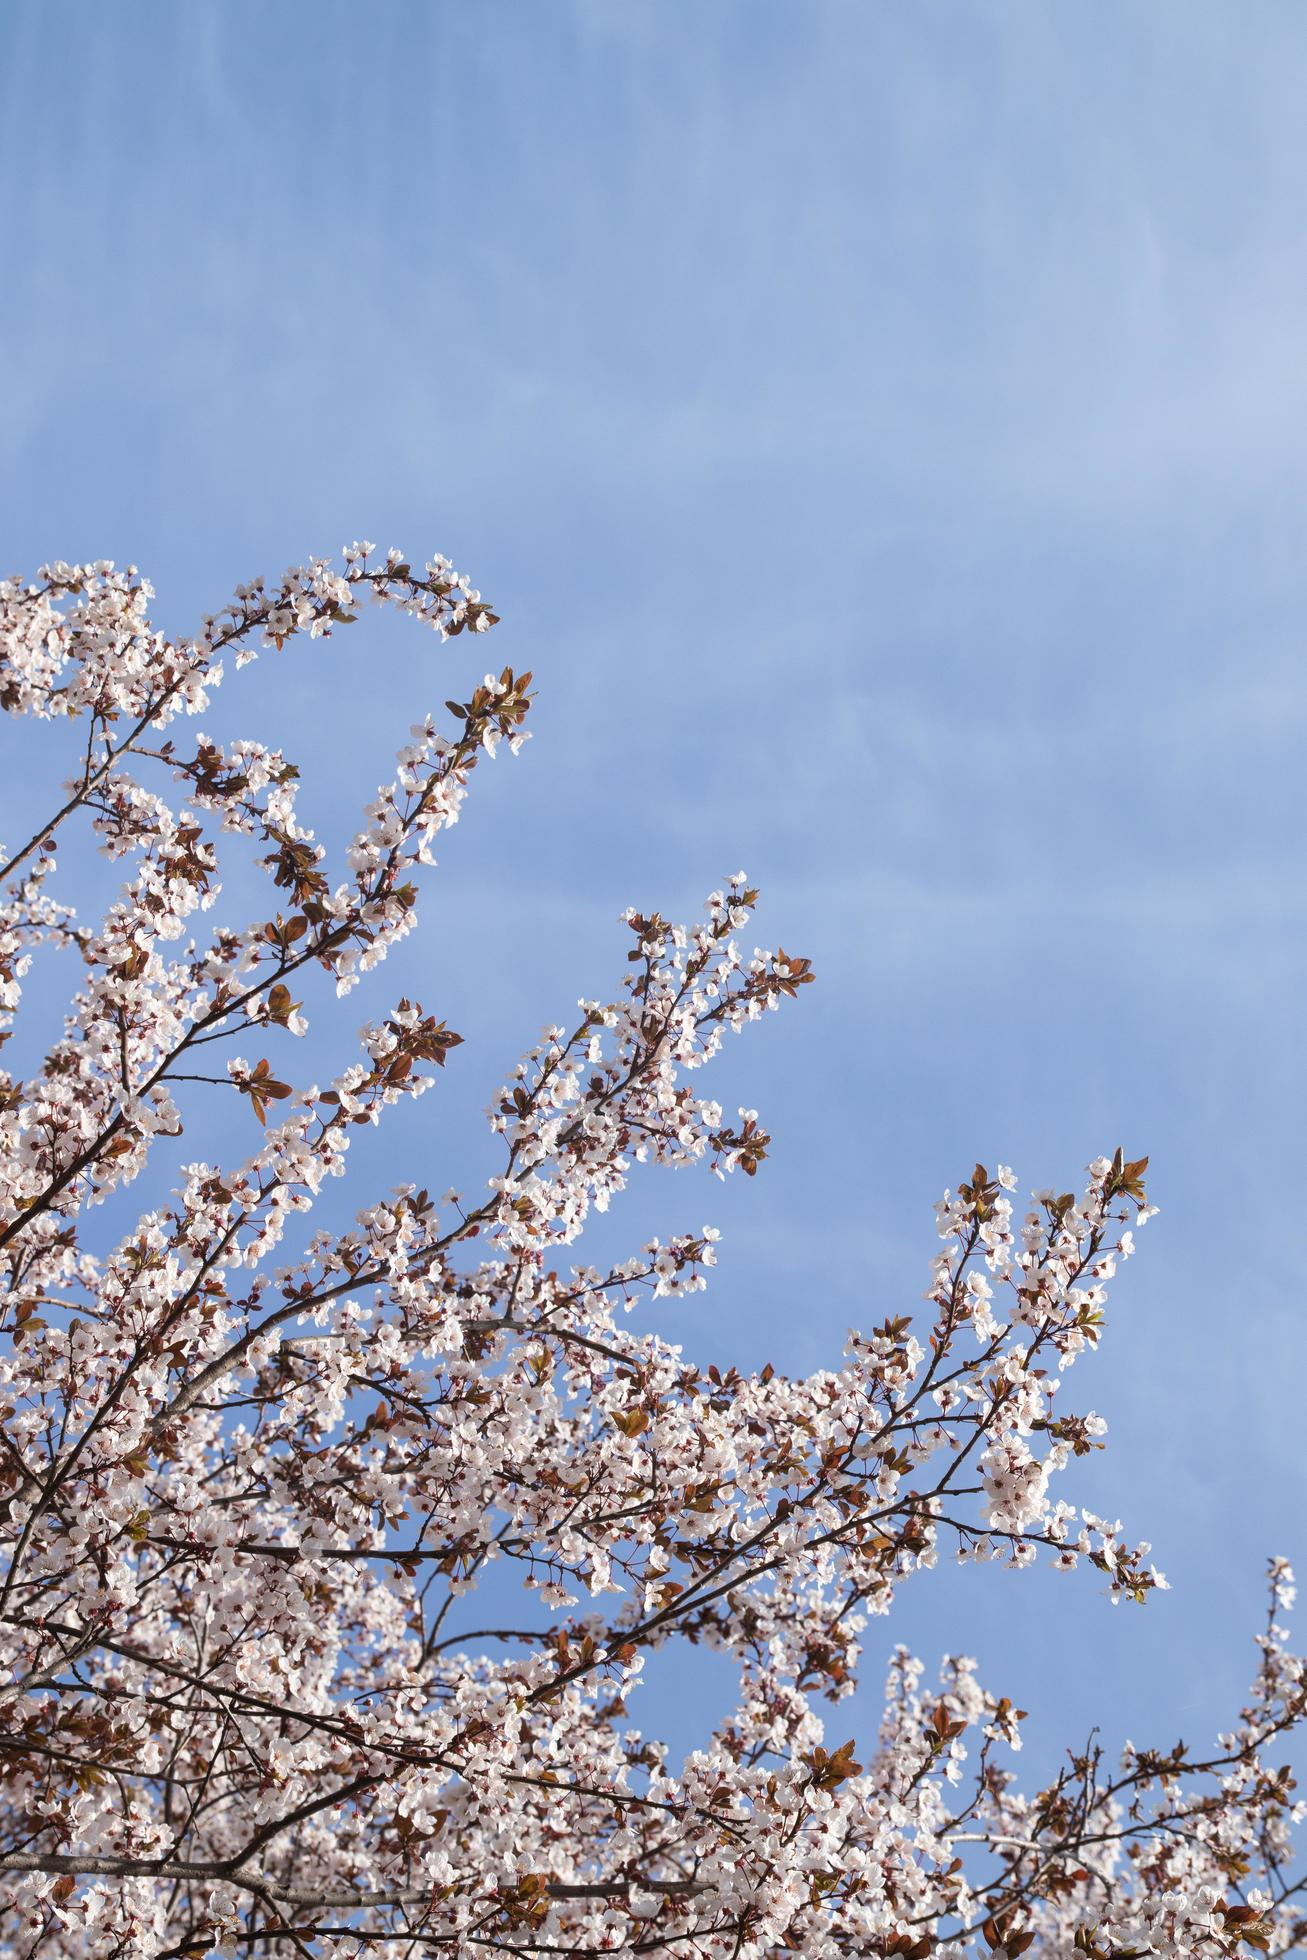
(883,430)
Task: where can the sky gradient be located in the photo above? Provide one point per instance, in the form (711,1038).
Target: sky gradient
(883,430)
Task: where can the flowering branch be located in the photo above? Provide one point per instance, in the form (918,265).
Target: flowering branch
(249,1480)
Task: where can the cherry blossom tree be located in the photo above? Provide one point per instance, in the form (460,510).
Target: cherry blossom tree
(254,1469)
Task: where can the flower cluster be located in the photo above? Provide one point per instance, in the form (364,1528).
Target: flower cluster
(257,1473)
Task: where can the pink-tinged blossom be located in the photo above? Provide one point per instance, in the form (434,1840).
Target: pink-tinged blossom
(255,1469)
